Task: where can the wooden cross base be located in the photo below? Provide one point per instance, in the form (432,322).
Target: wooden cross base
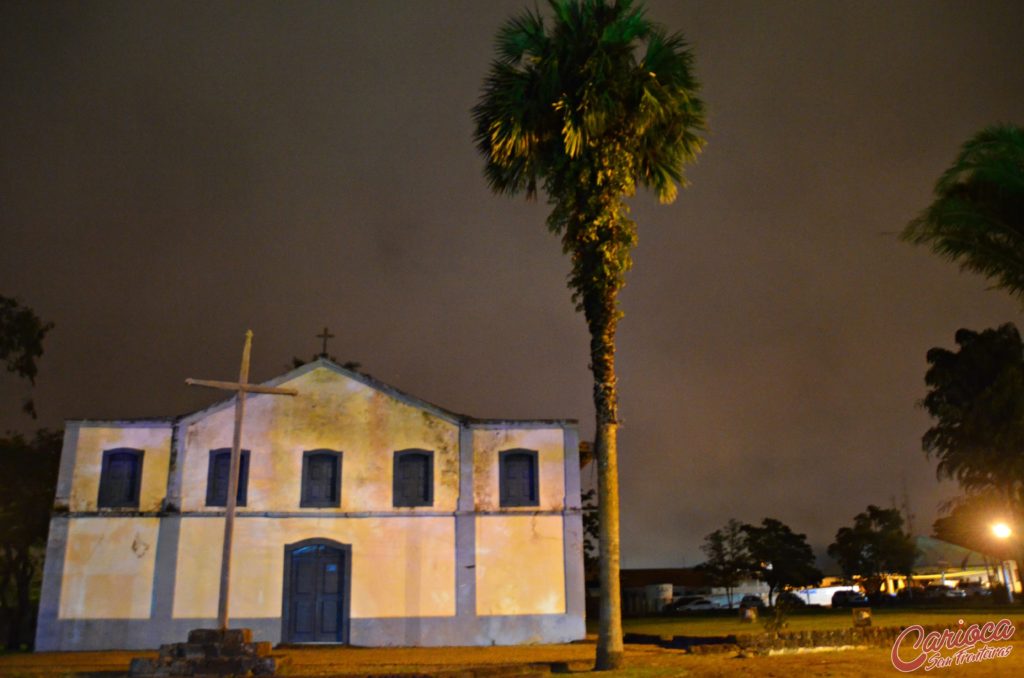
(210,652)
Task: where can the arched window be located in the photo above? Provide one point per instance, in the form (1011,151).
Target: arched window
(414,478)
(518,478)
(321,478)
(120,478)
(218,476)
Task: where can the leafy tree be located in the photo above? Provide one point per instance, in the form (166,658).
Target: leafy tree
(728,560)
(976,397)
(876,545)
(780,557)
(977,217)
(588,107)
(28,479)
(21,342)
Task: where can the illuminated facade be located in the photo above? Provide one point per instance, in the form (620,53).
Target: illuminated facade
(365,516)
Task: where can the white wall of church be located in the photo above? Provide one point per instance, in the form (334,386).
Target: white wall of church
(401,566)
(331,412)
(519,565)
(108,568)
(155,442)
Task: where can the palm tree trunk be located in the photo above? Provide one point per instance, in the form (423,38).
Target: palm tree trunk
(609,643)
(602,359)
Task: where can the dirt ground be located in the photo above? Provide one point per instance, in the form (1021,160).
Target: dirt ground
(641,662)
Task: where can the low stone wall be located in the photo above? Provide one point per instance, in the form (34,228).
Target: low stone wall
(762,643)
(871,636)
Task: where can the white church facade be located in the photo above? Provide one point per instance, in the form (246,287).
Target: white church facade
(365,516)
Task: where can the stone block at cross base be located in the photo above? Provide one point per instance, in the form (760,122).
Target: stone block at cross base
(264,666)
(229,637)
(141,666)
(210,652)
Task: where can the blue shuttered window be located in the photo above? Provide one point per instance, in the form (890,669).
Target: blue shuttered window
(518,478)
(217,477)
(414,478)
(120,478)
(321,478)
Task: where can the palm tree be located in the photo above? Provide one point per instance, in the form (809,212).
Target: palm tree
(977,218)
(590,107)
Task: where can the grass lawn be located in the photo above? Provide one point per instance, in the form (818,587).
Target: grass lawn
(817,619)
(873,663)
(642,661)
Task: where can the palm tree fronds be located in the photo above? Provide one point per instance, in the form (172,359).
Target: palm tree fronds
(522,37)
(977,217)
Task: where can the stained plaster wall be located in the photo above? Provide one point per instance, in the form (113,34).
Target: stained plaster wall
(93,440)
(520,567)
(550,447)
(332,412)
(401,566)
(108,568)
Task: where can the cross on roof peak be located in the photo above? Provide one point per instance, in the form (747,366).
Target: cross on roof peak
(325,335)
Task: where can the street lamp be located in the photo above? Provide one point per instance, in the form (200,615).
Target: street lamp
(1003,532)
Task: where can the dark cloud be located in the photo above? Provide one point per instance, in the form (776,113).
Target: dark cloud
(172,174)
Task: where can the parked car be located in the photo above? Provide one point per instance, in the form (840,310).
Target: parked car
(790,599)
(882,599)
(910,594)
(697,605)
(849,599)
(750,600)
(974,589)
(680,602)
(943,592)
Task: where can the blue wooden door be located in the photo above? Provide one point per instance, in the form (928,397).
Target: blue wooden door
(316,594)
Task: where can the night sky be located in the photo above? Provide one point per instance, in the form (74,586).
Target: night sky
(173,174)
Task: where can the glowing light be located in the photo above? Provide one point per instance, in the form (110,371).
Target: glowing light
(1001,530)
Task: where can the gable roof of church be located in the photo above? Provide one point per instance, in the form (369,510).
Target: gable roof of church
(362,378)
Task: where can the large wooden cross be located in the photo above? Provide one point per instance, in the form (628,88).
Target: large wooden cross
(241,388)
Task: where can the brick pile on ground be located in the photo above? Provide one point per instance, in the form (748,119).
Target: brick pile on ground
(210,652)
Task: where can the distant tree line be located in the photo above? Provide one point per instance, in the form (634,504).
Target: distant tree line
(875,545)
(771,552)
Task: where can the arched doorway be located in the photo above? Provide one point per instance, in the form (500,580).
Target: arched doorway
(317,581)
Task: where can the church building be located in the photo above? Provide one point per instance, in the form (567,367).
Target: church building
(365,517)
